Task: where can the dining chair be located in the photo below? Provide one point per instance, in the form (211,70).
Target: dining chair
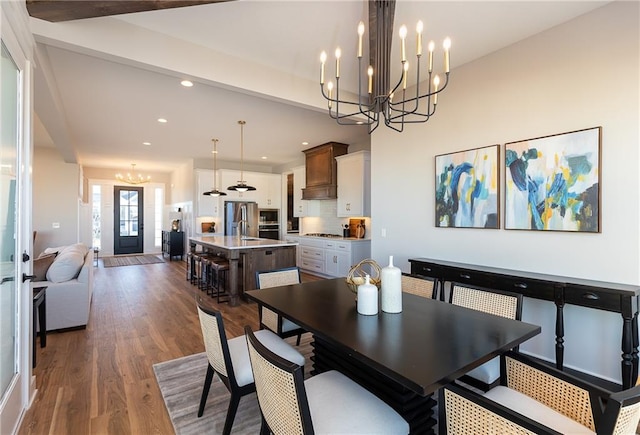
(557,400)
(270,320)
(491,301)
(230,360)
(419,285)
(328,402)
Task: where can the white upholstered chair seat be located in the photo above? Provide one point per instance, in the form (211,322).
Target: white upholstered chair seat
(339,405)
(535,410)
(240,354)
(488,372)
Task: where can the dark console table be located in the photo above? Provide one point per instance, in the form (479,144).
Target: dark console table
(617,298)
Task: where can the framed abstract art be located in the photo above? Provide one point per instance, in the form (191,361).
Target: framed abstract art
(552,183)
(467,188)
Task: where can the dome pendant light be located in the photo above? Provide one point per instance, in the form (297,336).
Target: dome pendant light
(215,191)
(242,185)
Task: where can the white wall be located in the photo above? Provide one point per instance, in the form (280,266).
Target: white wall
(578,75)
(55,200)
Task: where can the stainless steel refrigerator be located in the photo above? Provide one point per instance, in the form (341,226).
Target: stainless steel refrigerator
(241,216)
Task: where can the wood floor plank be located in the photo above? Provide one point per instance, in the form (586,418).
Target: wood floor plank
(100,380)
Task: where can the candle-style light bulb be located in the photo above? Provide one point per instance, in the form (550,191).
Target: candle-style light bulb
(323,60)
(403,36)
(404,76)
(370,74)
(419,28)
(447,46)
(436,83)
(330,90)
(432,46)
(338,54)
(360,33)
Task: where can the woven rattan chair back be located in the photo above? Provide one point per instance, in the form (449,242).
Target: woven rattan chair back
(214,339)
(275,278)
(564,397)
(628,416)
(420,286)
(280,390)
(467,413)
(489,301)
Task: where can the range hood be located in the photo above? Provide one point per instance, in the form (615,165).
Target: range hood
(321,170)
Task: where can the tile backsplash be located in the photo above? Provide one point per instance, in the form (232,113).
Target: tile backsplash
(328,222)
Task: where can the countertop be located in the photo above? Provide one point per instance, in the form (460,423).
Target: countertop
(233,242)
(346,239)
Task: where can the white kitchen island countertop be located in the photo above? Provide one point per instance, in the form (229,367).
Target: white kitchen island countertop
(233,242)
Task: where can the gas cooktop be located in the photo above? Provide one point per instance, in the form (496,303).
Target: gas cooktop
(323,235)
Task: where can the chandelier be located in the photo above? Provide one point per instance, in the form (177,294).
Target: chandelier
(132,178)
(214,191)
(380,96)
(242,185)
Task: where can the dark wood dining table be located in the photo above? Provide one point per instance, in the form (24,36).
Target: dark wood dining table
(403,358)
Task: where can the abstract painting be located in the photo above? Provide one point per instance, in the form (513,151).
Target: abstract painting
(467,188)
(552,183)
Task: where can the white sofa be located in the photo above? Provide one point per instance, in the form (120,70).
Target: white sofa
(68,302)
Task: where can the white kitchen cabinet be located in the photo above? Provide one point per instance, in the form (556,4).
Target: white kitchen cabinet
(331,257)
(269,190)
(206,205)
(354,184)
(301,207)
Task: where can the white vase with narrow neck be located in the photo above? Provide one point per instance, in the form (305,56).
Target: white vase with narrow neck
(367,298)
(391,290)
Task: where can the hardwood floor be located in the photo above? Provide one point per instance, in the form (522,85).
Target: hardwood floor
(100,380)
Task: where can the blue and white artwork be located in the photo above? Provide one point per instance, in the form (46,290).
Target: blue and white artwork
(553,183)
(467,188)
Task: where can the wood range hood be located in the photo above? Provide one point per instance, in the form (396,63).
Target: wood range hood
(321,170)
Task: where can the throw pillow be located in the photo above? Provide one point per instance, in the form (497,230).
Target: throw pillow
(66,266)
(41,266)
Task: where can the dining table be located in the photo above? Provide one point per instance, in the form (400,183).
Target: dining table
(403,358)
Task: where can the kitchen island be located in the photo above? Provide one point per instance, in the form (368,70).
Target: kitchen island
(247,255)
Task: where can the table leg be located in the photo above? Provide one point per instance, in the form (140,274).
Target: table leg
(559,301)
(417,410)
(42,318)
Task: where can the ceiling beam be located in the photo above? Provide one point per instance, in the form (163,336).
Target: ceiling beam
(63,10)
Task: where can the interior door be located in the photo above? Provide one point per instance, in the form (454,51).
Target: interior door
(11,371)
(128,220)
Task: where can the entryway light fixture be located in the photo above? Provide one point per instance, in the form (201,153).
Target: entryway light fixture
(132,178)
(378,99)
(242,185)
(214,191)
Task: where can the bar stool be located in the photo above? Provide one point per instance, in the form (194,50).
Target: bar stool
(190,264)
(218,270)
(196,270)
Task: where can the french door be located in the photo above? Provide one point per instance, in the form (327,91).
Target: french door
(128,220)
(14,223)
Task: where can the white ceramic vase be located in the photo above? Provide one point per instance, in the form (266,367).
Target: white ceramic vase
(391,290)
(367,298)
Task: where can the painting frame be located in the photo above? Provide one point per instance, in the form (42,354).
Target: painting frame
(467,188)
(554,182)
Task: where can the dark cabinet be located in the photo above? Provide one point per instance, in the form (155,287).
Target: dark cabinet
(322,171)
(173,244)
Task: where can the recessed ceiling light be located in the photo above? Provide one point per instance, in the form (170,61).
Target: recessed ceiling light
(146,143)
(359,122)
(264,157)
(162,120)
(305,143)
(214,152)
(186,83)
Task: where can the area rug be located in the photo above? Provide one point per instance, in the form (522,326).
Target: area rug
(181,380)
(131,260)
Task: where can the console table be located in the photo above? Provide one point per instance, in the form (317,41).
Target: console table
(614,297)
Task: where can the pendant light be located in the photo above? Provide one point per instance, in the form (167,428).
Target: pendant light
(242,185)
(215,191)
